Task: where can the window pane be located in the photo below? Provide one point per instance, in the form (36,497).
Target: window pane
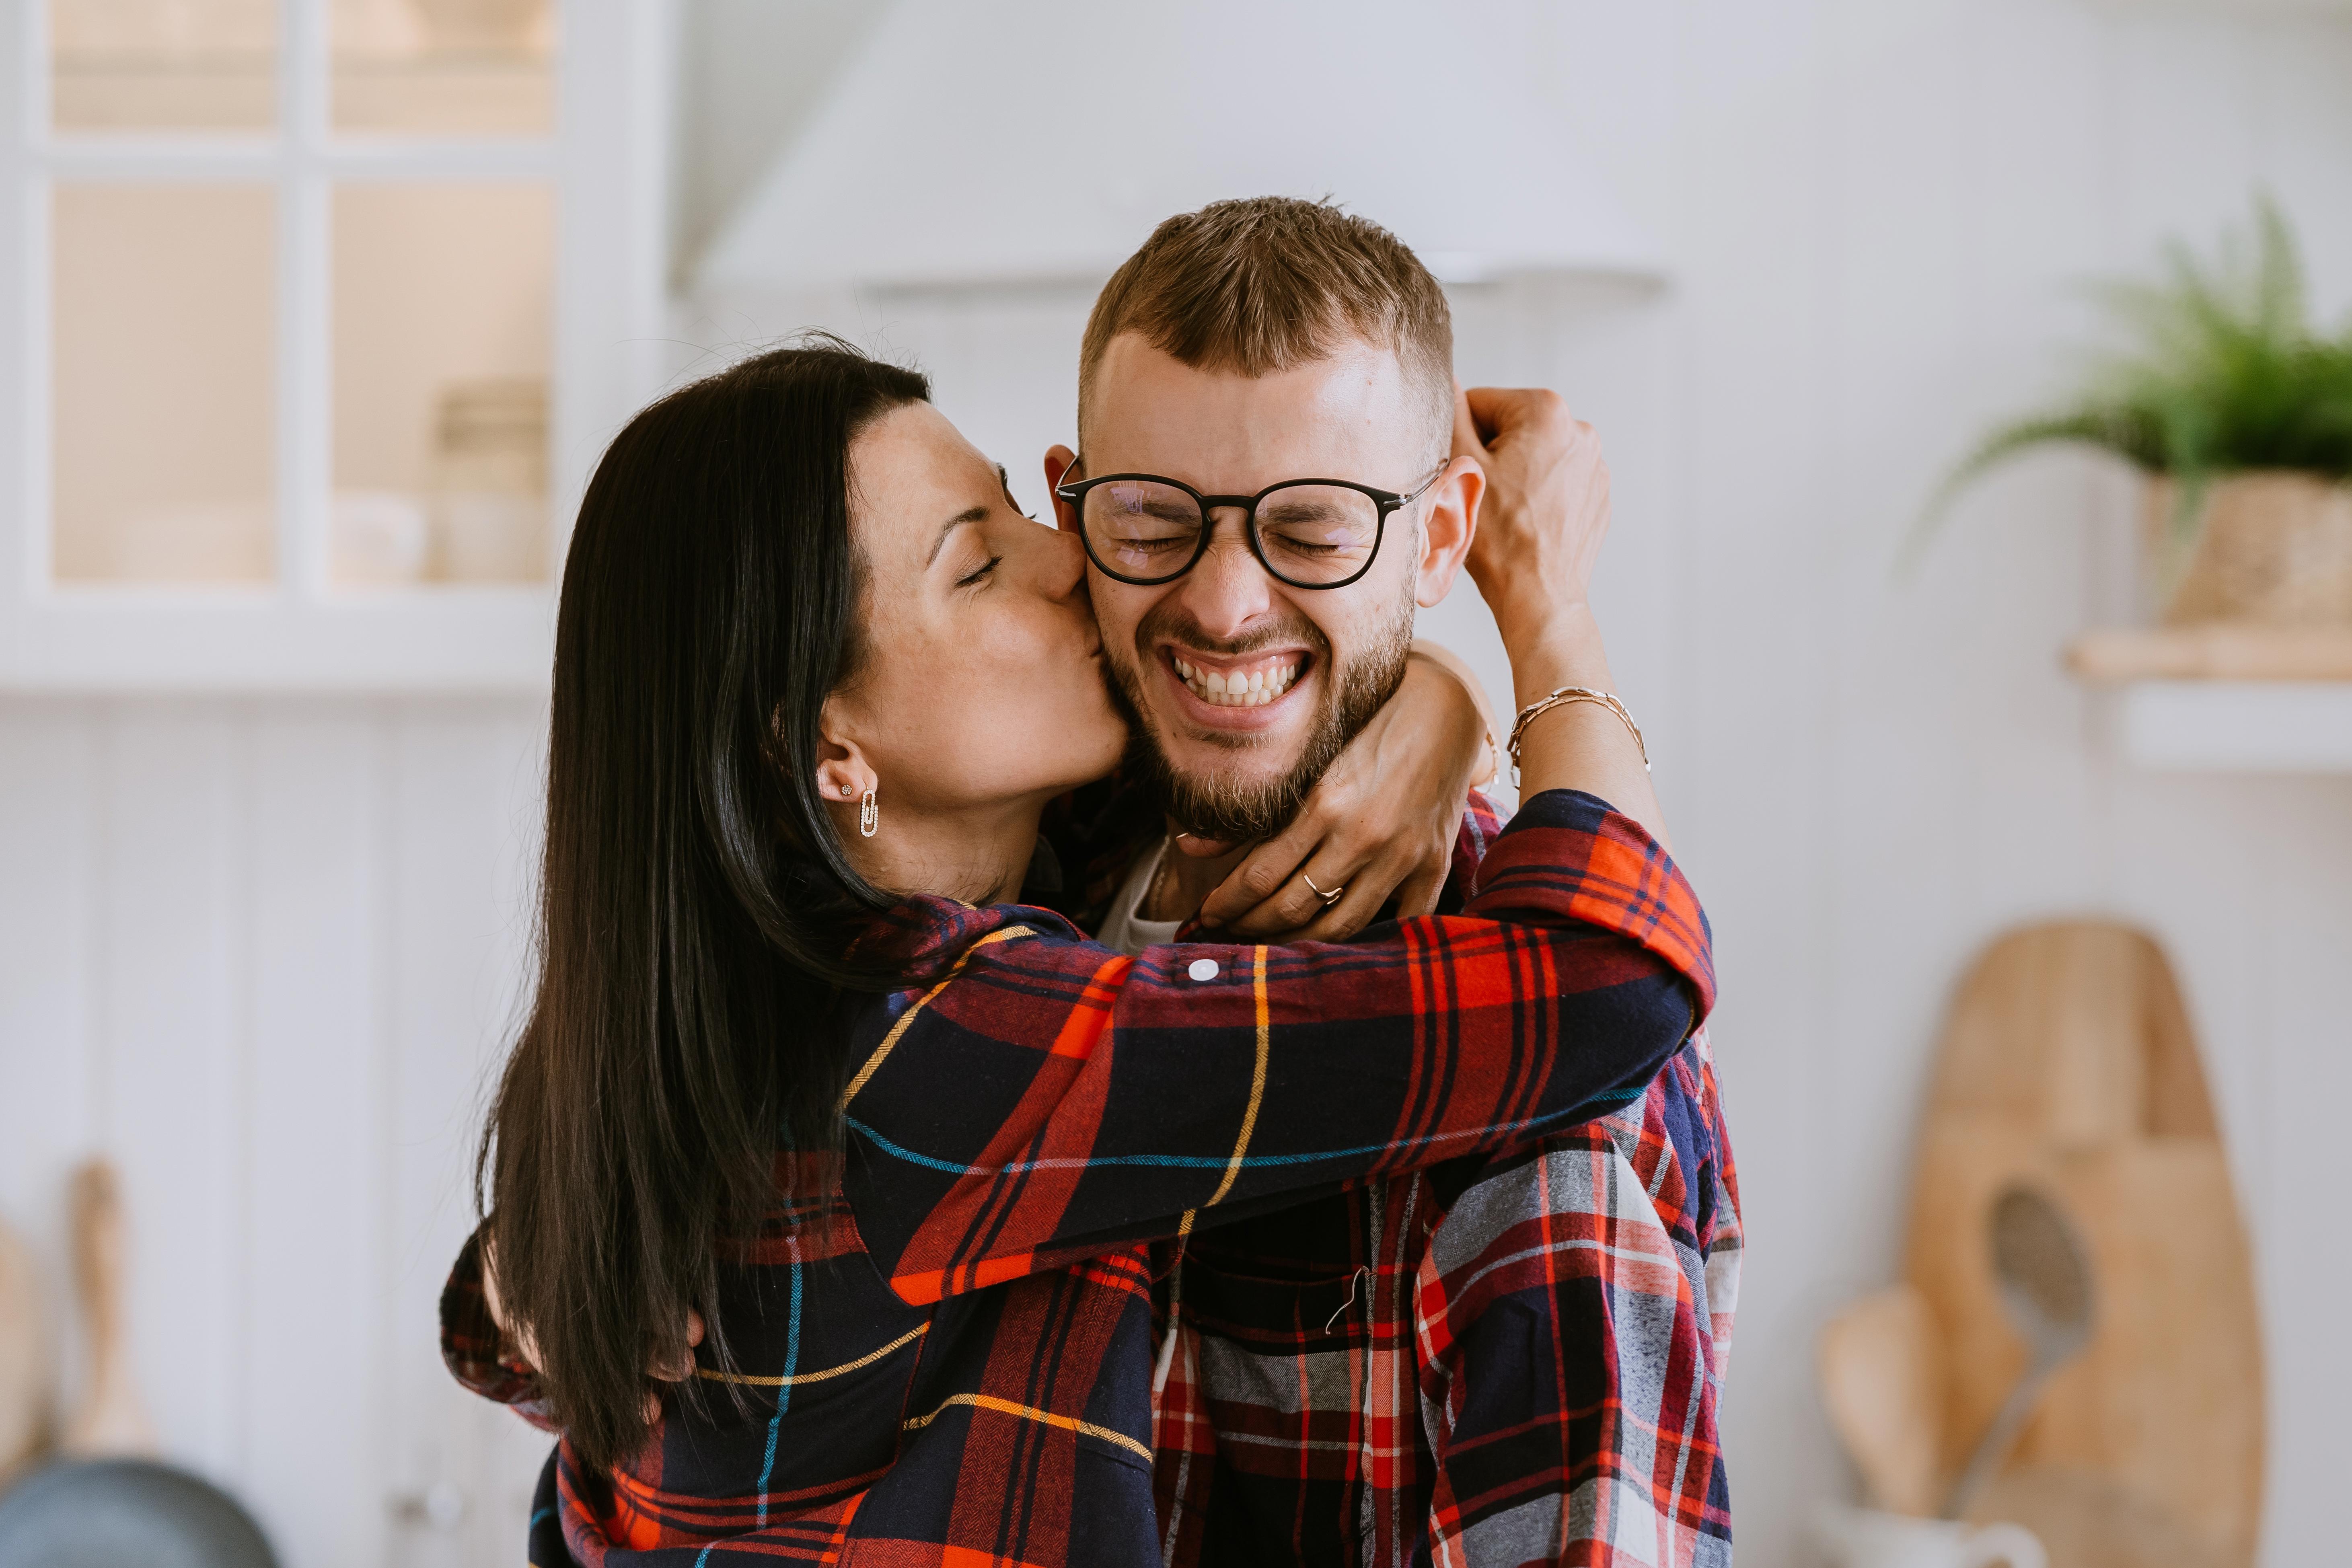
(163,65)
(165,345)
(443,296)
(444,67)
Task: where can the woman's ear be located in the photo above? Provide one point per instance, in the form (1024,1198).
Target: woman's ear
(1449,523)
(843,773)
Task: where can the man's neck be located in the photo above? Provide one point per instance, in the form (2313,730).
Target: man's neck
(1185,881)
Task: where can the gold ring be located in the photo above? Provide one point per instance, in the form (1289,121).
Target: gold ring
(1329,898)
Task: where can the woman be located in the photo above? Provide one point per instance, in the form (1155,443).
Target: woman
(800,1071)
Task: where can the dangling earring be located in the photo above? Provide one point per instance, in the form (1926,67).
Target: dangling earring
(869,818)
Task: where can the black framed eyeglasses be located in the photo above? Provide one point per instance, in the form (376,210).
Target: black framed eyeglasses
(1147,530)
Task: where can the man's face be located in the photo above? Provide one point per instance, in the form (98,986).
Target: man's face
(1301,670)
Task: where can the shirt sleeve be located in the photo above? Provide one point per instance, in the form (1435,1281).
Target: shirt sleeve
(1590,1272)
(1043,1099)
(475,1351)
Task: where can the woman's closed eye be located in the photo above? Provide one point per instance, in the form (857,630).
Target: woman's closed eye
(980,574)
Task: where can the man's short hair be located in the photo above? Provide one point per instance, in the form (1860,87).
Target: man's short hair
(1264,283)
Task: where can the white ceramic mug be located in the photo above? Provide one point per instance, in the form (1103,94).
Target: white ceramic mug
(1866,1538)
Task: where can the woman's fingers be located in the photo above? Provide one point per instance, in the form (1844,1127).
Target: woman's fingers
(1266,873)
(1411,871)
(1302,895)
(676,1370)
(1467,442)
(1358,905)
(680,1367)
(1418,895)
(1412,866)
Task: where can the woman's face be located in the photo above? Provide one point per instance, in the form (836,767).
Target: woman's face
(984,681)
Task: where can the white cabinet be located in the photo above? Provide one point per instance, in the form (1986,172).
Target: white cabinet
(314,317)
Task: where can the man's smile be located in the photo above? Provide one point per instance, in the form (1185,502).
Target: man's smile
(1217,687)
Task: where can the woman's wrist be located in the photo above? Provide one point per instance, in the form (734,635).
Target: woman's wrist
(1480,747)
(1559,645)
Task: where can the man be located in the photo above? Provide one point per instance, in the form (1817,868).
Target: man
(1511,1360)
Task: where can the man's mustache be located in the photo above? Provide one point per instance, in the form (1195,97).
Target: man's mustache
(1169,622)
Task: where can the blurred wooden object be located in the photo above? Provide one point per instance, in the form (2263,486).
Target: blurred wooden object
(1881,1366)
(24,1359)
(2068,1064)
(2214,652)
(112,1419)
(2088,1521)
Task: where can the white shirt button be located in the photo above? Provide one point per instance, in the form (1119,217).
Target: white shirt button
(1202,969)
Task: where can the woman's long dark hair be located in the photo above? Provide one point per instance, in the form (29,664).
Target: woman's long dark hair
(694,889)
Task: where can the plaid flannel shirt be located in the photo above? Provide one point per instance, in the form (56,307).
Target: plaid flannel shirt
(1339,1391)
(964,1374)
(1504,1359)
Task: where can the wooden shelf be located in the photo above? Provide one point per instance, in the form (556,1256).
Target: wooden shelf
(2213,653)
(2225,698)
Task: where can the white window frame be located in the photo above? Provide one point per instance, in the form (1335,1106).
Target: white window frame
(605,161)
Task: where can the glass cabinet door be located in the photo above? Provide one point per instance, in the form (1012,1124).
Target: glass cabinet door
(442,301)
(163,354)
(175,459)
(318,311)
(444,67)
(163,65)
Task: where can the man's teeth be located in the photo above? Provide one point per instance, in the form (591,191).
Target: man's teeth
(1236,688)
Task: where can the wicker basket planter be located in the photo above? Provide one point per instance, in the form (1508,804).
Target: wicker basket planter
(2270,547)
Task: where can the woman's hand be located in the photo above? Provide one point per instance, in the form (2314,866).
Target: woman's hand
(1382,820)
(1546,507)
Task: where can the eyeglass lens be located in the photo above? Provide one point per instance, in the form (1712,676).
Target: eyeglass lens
(1307,534)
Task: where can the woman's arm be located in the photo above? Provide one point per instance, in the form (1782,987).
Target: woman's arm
(1541,524)
(1043,1098)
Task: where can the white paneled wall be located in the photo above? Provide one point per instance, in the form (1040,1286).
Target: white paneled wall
(265,953)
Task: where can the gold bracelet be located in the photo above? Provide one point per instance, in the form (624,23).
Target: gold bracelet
(1561,697)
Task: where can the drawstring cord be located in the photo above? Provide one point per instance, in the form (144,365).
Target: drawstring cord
(1364,1273)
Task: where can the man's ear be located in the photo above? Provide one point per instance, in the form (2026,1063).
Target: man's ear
(1058,461)
(843,773)
(1449,523)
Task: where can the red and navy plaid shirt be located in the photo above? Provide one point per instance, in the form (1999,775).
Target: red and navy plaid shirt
(964,1372)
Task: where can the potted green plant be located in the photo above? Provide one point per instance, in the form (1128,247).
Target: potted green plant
(2241,416)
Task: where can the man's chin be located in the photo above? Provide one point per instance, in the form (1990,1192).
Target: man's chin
(1244,780)
(1193,747)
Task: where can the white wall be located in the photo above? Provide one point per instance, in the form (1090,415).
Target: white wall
(262,955)
(264,950)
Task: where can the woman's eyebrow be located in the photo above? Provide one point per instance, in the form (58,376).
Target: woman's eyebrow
(969,514)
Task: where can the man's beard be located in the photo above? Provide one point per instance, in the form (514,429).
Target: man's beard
(1240,811)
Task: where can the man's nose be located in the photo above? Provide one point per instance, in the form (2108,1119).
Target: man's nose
(1226,589)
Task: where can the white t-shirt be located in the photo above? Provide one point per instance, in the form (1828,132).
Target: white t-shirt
(1120,928)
